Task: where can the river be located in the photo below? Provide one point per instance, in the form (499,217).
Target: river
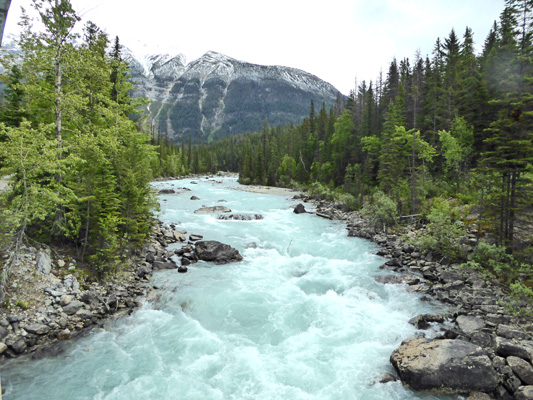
(302,317)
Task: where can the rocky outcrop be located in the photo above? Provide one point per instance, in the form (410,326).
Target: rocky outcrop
(453,366)
(217,252)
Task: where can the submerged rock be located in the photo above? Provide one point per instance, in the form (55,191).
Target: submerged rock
(220,253)
(447,365)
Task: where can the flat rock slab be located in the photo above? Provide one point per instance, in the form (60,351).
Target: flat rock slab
(450,366)
(210,210)
(469,324)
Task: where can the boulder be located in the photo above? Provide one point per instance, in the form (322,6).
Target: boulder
(522,369)
(17,344)
(506,348)
(195,238)
(447,365)
(210,210)
(143,271)
(158,265)
(194,198)
(44,262)
(167,191)
(3,332)
(72,307)
(217,252)
(469,324)
(37,329)
(240,217)
(84,314)
(299,209)
(524,393)
(180,237)
(65,300)
(478,396)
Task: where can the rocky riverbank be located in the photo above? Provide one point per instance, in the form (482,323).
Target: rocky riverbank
(49,302)
(481,349)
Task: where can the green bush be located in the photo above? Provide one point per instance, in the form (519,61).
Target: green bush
(521,300)
(444,232)
(381,211)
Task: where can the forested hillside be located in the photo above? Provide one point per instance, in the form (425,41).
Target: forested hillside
(447,138)
(79,166)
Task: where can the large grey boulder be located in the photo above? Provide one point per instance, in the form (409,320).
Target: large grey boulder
(522,369)
(524,393)
(37,329)
(469,324)
(446,365)
(220,253)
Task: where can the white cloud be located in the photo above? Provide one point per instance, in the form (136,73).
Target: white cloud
(336,40)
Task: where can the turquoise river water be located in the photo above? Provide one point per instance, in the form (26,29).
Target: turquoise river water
(302,317)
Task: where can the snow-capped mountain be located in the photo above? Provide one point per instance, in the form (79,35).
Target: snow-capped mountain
(216,95)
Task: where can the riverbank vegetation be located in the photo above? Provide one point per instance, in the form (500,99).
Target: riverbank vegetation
(80,167)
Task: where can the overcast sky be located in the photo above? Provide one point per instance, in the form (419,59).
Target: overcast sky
(337,40)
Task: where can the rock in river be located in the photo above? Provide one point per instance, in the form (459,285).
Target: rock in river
(240,217)
(215,209)
(210,250)
(447,365)
(299,209)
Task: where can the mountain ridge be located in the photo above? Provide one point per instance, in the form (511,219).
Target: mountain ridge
(216,95)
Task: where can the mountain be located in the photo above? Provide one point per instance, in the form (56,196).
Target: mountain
(216,95)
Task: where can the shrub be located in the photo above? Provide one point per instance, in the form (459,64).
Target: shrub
(22,305)
(444,232)
(381,211)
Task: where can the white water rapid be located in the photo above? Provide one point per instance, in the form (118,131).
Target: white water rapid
(302,317)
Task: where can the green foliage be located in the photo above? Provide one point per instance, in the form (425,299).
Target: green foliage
(381,211)
(444,231)
(81,169)
(22,305)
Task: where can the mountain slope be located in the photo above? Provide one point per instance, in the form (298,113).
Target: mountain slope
(216,95)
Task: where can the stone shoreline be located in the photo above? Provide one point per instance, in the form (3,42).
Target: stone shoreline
(481,350)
